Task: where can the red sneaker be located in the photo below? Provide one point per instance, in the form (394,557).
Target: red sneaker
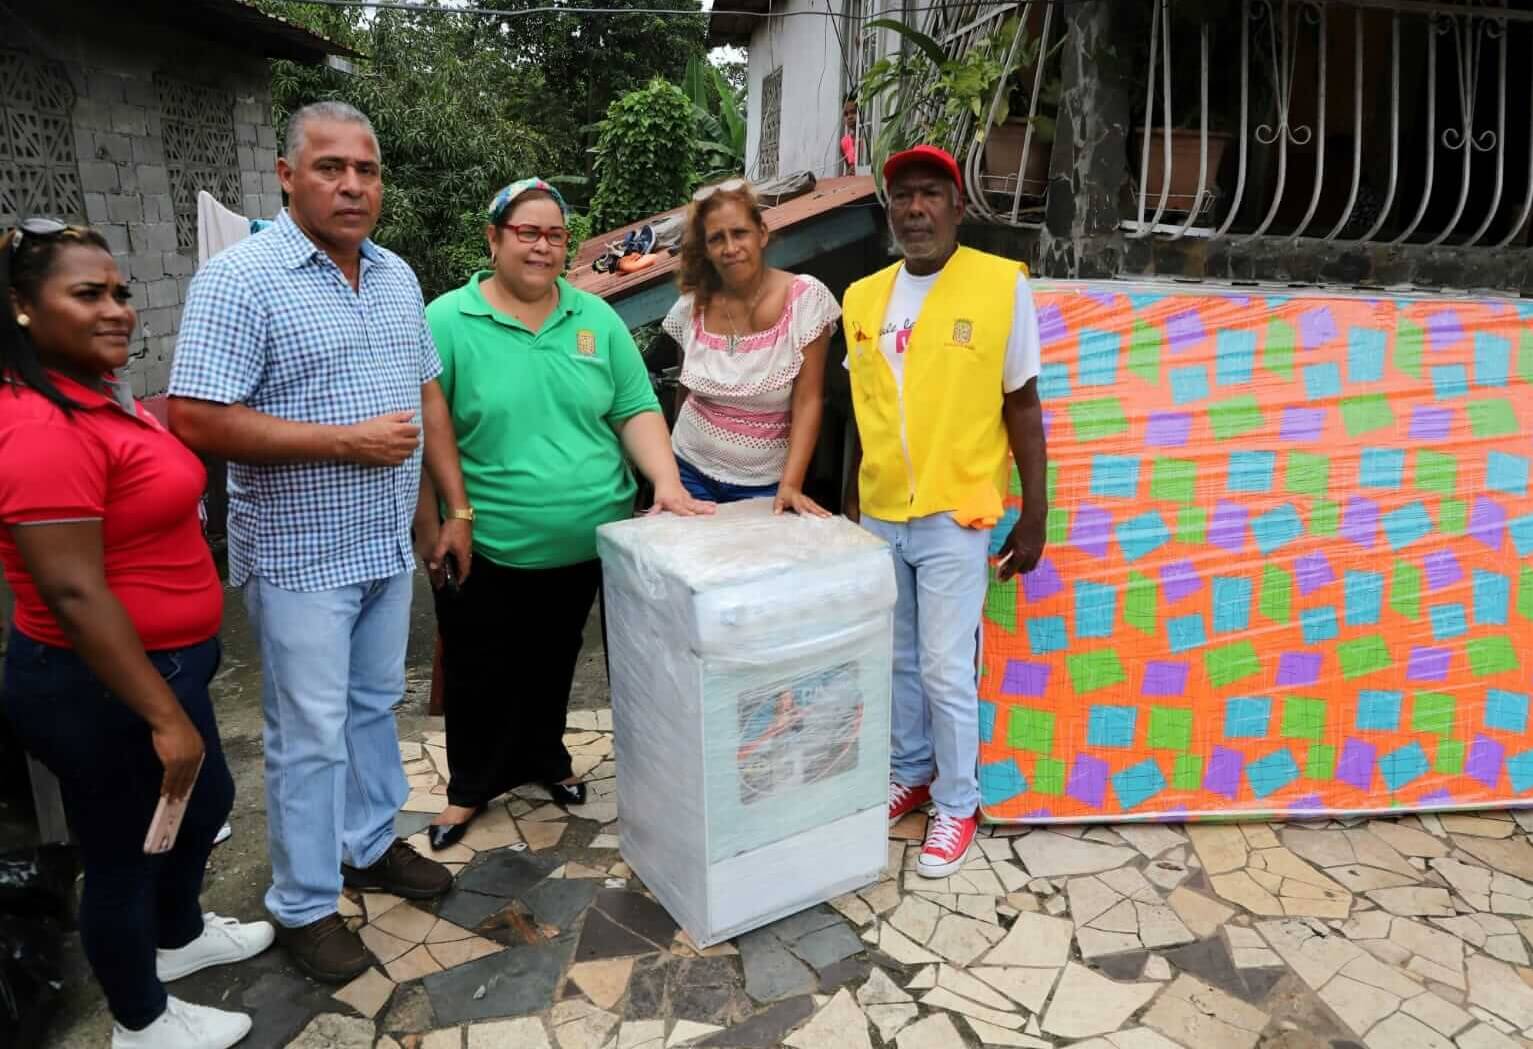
(904,800)
(947,843)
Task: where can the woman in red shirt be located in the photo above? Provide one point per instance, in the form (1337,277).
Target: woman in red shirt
(118,606)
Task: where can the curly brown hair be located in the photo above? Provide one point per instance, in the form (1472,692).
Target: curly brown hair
(697,274)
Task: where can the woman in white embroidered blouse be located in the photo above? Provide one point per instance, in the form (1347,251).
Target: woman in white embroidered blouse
(753,342)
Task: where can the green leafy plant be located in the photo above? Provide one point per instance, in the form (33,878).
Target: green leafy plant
(719,142)
(644,155)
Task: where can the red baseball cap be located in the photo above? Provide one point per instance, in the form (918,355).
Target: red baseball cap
(932,156)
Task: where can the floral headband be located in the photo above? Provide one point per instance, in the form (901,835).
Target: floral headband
(506,197)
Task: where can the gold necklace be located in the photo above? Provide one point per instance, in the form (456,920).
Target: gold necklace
(732,344)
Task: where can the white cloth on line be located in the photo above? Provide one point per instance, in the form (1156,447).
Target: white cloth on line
(217,227)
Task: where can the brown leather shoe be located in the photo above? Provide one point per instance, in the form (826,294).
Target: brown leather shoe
(327,950)
(402,871)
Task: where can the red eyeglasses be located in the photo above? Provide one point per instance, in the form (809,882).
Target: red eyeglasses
(527,233)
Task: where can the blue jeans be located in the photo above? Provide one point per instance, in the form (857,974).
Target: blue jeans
(110,777)
(333,668)
(701,486)
(940,572)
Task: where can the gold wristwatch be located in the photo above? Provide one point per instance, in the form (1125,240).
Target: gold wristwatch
(466,514)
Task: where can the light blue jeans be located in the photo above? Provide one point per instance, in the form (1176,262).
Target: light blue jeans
(941,572)
(333,668)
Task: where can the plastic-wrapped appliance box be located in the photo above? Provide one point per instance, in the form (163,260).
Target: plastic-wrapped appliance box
(750,659)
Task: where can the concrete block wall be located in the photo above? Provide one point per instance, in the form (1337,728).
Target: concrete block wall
(120,151)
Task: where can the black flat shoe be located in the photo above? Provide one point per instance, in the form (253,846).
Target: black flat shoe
(446,835)
(567,793)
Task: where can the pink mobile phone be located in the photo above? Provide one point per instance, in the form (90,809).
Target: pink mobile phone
(166,823)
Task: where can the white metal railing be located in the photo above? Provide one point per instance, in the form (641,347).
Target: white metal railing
(1413,92)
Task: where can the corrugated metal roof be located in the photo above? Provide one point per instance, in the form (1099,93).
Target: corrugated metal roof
(726,23)
(827,196)
(275,36)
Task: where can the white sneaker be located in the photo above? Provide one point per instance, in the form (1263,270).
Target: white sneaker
(185,1026)
(223,940)
(224,834)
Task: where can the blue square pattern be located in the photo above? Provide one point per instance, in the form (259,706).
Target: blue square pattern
(1365,354)
(1098,364)
(1277,528)
(1142,535)
(1000,781)
(1114,476)
(1185,633)
(1378,710)
(1096,609)
(1409,524)
(1232,604)
(1054,381)
(1235,357)
(1322,381)
(1272,773)
(1138,783)
(1505,710)
(1448,621)
(1492,597)
(1189,384)
(1450,380)
(1521,531)
(1251,471)
(1364,598)
(1381,468)
(1492,359)
(1400,768)
(1246,717)
(1110,726)
(1003,529)
(1506,473)
(1319,624)
(1519,769)
(1047,634)
(986,720)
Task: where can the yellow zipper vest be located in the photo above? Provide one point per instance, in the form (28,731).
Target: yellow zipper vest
(954,367)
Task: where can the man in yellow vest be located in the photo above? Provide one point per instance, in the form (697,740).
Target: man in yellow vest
(943,351)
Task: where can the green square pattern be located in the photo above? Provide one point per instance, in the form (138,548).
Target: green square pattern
(1277,353)
(1030,729)
(1230,663)
(1409,339)
(1525,356)
(1453,517)
(1091,671)
(1325,517)
(1450,757)
(1491,655)
(1097,419)
(1492,418)
(1320,764)
(1433,712)
(1235,417)
(1001,604)
(1277,593)
(1014,485)
(1405,590)
(1308,474)
(1144,353)
(1303,718)
(1436,472)
(1050,480)
(1049,776)
(1170,728)
(1187,772)
(1139,602)
(1058,528)
(1363,655)
(1192,525)
(1366,413)
(1174,480)
(1525,592)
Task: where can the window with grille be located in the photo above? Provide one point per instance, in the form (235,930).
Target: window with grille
(39,172)
(197,125)
(771,125)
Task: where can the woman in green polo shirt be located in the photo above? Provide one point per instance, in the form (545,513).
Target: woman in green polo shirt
(550,399)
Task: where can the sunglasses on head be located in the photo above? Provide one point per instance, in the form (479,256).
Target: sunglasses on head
(733,185)
(38,228)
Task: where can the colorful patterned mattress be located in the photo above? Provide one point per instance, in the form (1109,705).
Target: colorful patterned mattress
(1290,564)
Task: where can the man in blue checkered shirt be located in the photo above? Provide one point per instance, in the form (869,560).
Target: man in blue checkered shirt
(305,361)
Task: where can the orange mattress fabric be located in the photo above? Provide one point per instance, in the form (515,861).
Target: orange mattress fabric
(1290,564)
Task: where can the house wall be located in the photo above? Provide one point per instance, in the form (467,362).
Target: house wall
(143,112)
(808,49)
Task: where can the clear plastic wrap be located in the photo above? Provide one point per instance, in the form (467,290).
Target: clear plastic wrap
(1288,570)
(751,670)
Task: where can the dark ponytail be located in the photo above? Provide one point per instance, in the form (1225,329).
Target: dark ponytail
(23,267)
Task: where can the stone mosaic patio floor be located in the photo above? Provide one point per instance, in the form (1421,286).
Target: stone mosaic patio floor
(1386,934)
